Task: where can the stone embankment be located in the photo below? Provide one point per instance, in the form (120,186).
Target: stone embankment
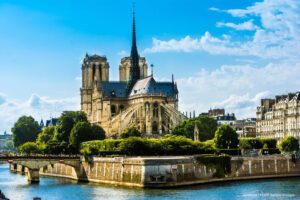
(171,171)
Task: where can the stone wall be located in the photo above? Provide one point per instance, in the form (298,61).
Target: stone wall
(172,171)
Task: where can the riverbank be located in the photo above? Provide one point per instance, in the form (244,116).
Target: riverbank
(160,172)
(16,187)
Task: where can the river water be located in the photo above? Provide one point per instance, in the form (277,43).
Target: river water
(16,187)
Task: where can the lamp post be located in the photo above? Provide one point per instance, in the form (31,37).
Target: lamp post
(228,142)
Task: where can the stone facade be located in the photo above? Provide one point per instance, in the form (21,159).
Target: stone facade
(136,99)
(280,117)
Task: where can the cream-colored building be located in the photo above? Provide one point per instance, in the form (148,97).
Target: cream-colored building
(279,117)
(136,99)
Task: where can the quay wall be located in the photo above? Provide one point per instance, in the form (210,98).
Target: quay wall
(171,171)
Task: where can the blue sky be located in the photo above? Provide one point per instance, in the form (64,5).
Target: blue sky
(223,54)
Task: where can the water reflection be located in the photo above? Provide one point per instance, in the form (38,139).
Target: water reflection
(16,187)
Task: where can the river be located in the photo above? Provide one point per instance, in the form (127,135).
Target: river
(16,187)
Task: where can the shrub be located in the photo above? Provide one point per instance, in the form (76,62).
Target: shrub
(289,144)
(136,146)
(257,143)
(130,132)
(29,148)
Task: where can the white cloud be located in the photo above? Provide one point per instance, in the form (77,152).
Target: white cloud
(237,88)
(247,25)
(278,36)
(123,53)
(36,106)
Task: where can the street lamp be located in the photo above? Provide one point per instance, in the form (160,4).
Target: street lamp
(228,142)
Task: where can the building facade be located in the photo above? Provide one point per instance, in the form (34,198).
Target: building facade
(280,117)
(136,99)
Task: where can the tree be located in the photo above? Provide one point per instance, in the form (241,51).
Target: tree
(66,122)
(207,127)
(46,135)
(130,132)
(29,147)
(9,145)
(289,144)
(24,130)
(83,131)
(226,137)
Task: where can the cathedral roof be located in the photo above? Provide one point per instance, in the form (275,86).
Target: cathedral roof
(150,86)
(143,86)
(113,89)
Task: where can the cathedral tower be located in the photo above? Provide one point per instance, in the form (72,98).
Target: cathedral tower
(95,69)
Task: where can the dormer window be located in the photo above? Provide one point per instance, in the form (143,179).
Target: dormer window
(113,93)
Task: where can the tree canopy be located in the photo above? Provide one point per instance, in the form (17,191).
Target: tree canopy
(225,137)
(206,125)
(84,131)
(289,144)
(46,135)
(66,122)
(26,129)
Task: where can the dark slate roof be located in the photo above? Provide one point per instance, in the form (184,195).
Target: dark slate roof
(113,89)
(51,122)
(143,86)
(150,86)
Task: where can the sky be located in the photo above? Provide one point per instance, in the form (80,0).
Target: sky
(223,54)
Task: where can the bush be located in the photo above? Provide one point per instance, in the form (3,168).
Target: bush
(29,148)
(270,151)
(130,132)
(257,143)
(136,146)
(289,144)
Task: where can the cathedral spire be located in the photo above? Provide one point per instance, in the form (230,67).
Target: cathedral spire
(134,56)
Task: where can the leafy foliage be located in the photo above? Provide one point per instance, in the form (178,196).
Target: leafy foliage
(66,122)
(137,146)
(257,143)
(29,148)
(24,130)
(226,136)
(83,131)
(130,132)
(289,144)
(46,135)
(206,125)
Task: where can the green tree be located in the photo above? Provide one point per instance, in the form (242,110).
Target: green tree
(46,135)
(24,130)
(130,132)
(225,137)
(289,144)
(29,148)
(9,145)
(83,131)
(207,127)
(66,122)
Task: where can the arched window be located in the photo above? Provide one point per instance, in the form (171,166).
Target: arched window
(154,127)
(113,110)
(155,109)
(121,107)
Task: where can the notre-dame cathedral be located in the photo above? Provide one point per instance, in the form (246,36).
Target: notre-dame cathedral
(136,99)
